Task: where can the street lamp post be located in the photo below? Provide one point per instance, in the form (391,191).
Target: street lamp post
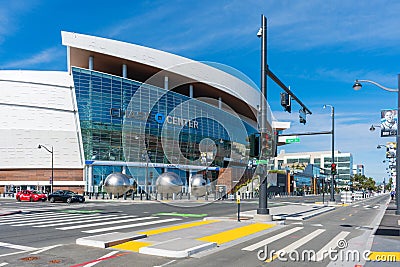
(262,201)
(146,179)
(357,86)
(52,165)
(333,151)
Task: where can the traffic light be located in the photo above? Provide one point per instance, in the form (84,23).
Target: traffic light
(264,144)
(286,102)
(302,116)
(333,168)
(254,140)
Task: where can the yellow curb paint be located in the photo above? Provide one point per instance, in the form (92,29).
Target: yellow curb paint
(384,256)
(132,245)
(177,227)
(236,233)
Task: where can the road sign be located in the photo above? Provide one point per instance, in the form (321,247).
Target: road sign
(262,161)
(292,140)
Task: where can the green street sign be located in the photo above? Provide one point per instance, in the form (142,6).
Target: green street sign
(262,161)
(292,140)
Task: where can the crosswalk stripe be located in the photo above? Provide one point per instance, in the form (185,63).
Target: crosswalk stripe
(375,207)
(19,247)
(131,225)
(57,221)
(105,223)
(42,219)
(93,219)
(271,239)
(16,217)
(322,253)
(296,244)
(355,206)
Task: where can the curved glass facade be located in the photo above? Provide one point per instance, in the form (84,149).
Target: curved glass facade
(124,122)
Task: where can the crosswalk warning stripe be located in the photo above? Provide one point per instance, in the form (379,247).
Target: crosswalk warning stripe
(296,244)
(236,233)
(177,227)
(271,239)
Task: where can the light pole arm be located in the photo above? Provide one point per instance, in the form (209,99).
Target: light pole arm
(379,85)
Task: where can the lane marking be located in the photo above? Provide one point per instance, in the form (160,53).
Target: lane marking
(236,233)
(3,264)
(132,245)
(70,220)
(165,264)
(177,227)
(105,257)
(322,253)
(19,247)
(130,225)
(355,206)
(181,214)
(104,223)
(30,218)
(46,248)
(271,239)
(296,244)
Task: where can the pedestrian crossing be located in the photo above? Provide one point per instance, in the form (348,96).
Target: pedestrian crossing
(301,244)
(85,223)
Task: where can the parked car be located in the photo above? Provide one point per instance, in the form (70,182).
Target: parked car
(66,196)
(30,195)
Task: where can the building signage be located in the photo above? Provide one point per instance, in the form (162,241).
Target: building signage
(160,118)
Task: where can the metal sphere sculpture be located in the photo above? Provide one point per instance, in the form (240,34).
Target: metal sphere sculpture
(117,183)
(169,182)
(199,186)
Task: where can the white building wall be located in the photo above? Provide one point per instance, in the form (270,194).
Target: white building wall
(38,107)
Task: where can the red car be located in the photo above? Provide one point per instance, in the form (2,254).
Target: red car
(30,195)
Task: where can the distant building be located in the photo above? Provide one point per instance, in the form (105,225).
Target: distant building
(358,169)
(321,159)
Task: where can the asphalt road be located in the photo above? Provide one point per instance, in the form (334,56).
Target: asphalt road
(59,249)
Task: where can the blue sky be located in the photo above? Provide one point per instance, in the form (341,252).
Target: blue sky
(317,47)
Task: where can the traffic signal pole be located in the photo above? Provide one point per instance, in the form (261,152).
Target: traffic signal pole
(262,200)
(333,155)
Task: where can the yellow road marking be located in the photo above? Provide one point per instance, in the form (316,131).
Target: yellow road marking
(350,215)
(343,219)
(177,227)
(272,258)
(384,256)
(236,233)
(132,245)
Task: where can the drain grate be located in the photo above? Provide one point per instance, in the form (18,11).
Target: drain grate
(29,259)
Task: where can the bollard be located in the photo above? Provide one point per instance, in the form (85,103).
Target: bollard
(125,196)
(133,195)
(110,195)
(96,195)
(90,195)
(102,197)
(188,195)
(161,196)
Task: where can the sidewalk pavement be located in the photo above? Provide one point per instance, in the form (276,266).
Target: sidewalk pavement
(386,240)
(185,239)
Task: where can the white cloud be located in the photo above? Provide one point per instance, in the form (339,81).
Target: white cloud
(45,56)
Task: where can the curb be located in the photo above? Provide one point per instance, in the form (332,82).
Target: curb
(164,249)
(108,240)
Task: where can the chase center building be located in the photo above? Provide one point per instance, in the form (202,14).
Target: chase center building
(124,108)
